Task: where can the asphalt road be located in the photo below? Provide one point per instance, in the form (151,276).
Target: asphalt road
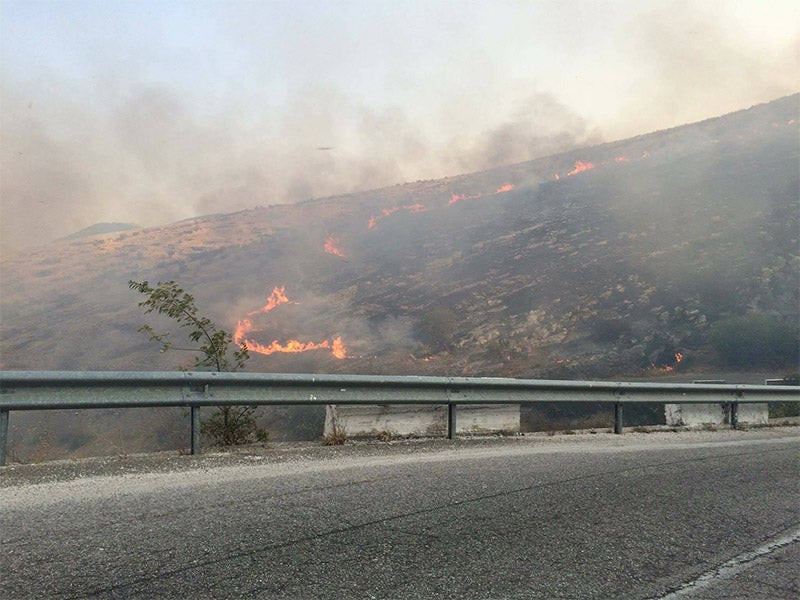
(663,516)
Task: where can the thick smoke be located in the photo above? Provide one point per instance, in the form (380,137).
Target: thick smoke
(151,153)
(151,157)
(539,126)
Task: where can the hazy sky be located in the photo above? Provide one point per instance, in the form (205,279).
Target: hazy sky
(149,112)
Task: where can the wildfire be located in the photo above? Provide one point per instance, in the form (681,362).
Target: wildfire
(414,208)
(585,165)
(332,246)
(678,359)
(291,346)
(336,346)
(245,326)
(338,349)
(277,297)
(581,166)
(459,197)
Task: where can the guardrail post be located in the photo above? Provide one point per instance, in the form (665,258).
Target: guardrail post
(195,417)
(618,417)
(734,415)
(451,421)
(3,435)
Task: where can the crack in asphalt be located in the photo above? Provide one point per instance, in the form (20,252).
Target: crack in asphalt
(734,566)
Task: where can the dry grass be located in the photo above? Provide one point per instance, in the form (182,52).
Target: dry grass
(337,437)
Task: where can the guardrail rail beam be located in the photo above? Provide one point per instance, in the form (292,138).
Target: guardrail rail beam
(46,390)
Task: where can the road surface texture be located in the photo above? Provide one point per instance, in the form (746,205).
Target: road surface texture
(659,515)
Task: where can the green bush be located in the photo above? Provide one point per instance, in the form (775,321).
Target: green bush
(757,340)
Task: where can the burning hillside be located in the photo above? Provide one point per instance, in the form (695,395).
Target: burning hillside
(604,261)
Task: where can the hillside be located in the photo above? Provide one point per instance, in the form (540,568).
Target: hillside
(99,229)
(605,261)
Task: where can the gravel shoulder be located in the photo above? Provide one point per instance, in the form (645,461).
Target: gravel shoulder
(283,456)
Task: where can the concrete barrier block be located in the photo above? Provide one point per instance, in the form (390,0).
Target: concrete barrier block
(698,415)
(419,420)
(754,414)
(694,415)
(492,418)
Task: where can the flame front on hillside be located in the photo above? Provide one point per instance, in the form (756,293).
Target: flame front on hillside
(678,359)
(331,246)
(459,197)
(414,208)
(585,165)
(581,166)
(244,327)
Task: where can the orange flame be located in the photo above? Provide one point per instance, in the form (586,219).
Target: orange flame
(669,368)
(338,349)
(245,326)
(414,208)
(277,297)
(645,154)
(581,166)
(332,246)
(292,346)
(621,159)
(459,197)
(557,177)
(791,121)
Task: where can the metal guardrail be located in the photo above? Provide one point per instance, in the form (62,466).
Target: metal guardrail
(48,390)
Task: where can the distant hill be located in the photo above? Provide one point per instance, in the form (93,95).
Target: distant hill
(625,258)
(100,228)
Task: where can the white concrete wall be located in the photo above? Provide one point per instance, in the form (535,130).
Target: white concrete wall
(420,420)
(754,414)
(697,415)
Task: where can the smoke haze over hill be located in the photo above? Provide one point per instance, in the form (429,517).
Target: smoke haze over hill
(154,112)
